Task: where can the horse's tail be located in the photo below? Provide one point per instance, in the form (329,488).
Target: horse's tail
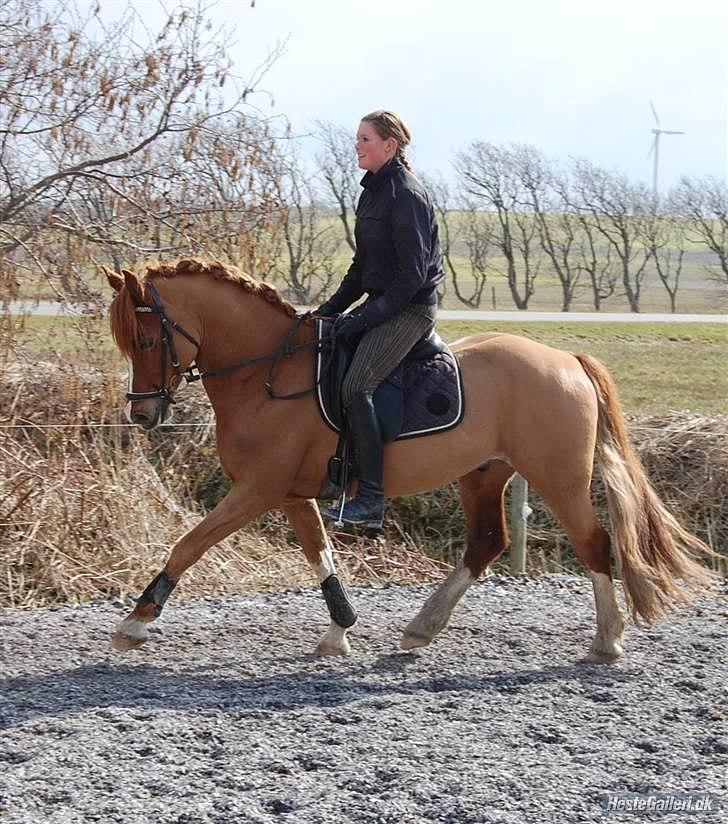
(651,546)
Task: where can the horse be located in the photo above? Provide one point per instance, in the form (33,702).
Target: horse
(546,414)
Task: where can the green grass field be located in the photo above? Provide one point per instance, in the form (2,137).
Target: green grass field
(657,366)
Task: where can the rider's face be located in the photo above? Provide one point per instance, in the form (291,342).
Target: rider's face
(371,150)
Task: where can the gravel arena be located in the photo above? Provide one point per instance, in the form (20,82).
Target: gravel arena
(225,715)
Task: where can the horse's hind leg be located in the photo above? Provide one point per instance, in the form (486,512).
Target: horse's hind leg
(305,519)
(591,544)
(481,492)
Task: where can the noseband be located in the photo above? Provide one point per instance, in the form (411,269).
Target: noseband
(166,393)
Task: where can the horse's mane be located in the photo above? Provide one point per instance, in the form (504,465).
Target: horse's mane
(125,322)
(221,271)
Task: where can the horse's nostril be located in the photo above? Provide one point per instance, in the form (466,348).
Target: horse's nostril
(141,418)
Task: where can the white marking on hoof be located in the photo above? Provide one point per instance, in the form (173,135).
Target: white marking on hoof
(130,634)
(599,655)
(334,642)
(604,650)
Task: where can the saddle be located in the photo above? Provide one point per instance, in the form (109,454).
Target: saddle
(423,395)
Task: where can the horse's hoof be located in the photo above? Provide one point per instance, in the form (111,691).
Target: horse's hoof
(601,656)
(410,641)
(129,635)
(123,643)
(327,649)
(604,650)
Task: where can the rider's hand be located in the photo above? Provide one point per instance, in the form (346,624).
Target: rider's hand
(324,311)
(349,327)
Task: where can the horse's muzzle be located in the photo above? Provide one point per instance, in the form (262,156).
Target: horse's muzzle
(149,415)
(145,420)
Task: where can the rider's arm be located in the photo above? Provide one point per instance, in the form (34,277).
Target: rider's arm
(348,292)
(411,234)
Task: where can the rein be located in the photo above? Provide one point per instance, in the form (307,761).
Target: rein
(166,393)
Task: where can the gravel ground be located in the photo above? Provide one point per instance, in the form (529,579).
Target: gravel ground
(226,716)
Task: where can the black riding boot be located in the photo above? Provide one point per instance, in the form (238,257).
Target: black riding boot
(367,508)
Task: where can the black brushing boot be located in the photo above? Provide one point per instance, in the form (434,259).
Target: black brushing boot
(367,508)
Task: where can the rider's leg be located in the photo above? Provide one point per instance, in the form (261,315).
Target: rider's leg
(380,351)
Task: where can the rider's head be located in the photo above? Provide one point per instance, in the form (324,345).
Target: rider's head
(382,135)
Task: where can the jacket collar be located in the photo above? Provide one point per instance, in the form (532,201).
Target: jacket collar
(374,180)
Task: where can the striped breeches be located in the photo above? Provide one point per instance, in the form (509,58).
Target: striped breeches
(382,348)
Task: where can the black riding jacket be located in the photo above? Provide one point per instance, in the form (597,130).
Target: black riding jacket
(398,259)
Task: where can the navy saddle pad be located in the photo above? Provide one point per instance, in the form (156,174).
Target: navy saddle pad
(423,395)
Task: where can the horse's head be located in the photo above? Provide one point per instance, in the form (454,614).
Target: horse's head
(153,334)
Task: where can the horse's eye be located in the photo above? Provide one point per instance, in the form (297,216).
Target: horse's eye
(146,344)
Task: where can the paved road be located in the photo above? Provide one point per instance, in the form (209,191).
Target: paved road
(43,307)
(50,308)
(592,317)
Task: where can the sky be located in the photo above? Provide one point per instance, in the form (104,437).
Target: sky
(571,78)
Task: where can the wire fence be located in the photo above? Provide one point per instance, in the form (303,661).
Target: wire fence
(98,425)
(209,422)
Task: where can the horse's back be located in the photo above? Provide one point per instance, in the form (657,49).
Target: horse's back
(500,348)
(526,404)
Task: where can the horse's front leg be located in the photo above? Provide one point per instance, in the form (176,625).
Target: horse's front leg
(306,521)
(236,509)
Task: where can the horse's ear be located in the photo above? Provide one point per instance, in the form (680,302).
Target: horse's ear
(131,281)
(116,281)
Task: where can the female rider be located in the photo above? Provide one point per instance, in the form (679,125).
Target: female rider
(397,264)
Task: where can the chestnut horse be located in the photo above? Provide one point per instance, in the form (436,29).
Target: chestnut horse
(531,409)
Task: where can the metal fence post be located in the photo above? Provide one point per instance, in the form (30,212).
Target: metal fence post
(518,515)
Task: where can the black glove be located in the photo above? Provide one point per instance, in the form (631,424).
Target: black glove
(349,327)
(325,311)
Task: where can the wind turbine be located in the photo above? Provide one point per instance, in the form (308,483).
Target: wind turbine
(655,148)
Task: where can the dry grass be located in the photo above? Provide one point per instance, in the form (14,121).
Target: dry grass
(90,511)
(85,513)
(686,458)
(83,521)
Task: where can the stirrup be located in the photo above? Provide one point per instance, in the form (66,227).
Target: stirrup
(358,513)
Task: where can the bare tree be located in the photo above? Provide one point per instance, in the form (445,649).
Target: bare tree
(478,236)
(616,209)
(309,241)
(664,236)
(224,198)
(447,227)
(337,162)
(578,246)
(704,201)
(488,173)
(557,226)
(96,123)
(595,259)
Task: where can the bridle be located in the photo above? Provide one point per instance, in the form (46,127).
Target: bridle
(168,326)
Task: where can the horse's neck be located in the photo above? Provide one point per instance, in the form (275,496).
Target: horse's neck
(239,327)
